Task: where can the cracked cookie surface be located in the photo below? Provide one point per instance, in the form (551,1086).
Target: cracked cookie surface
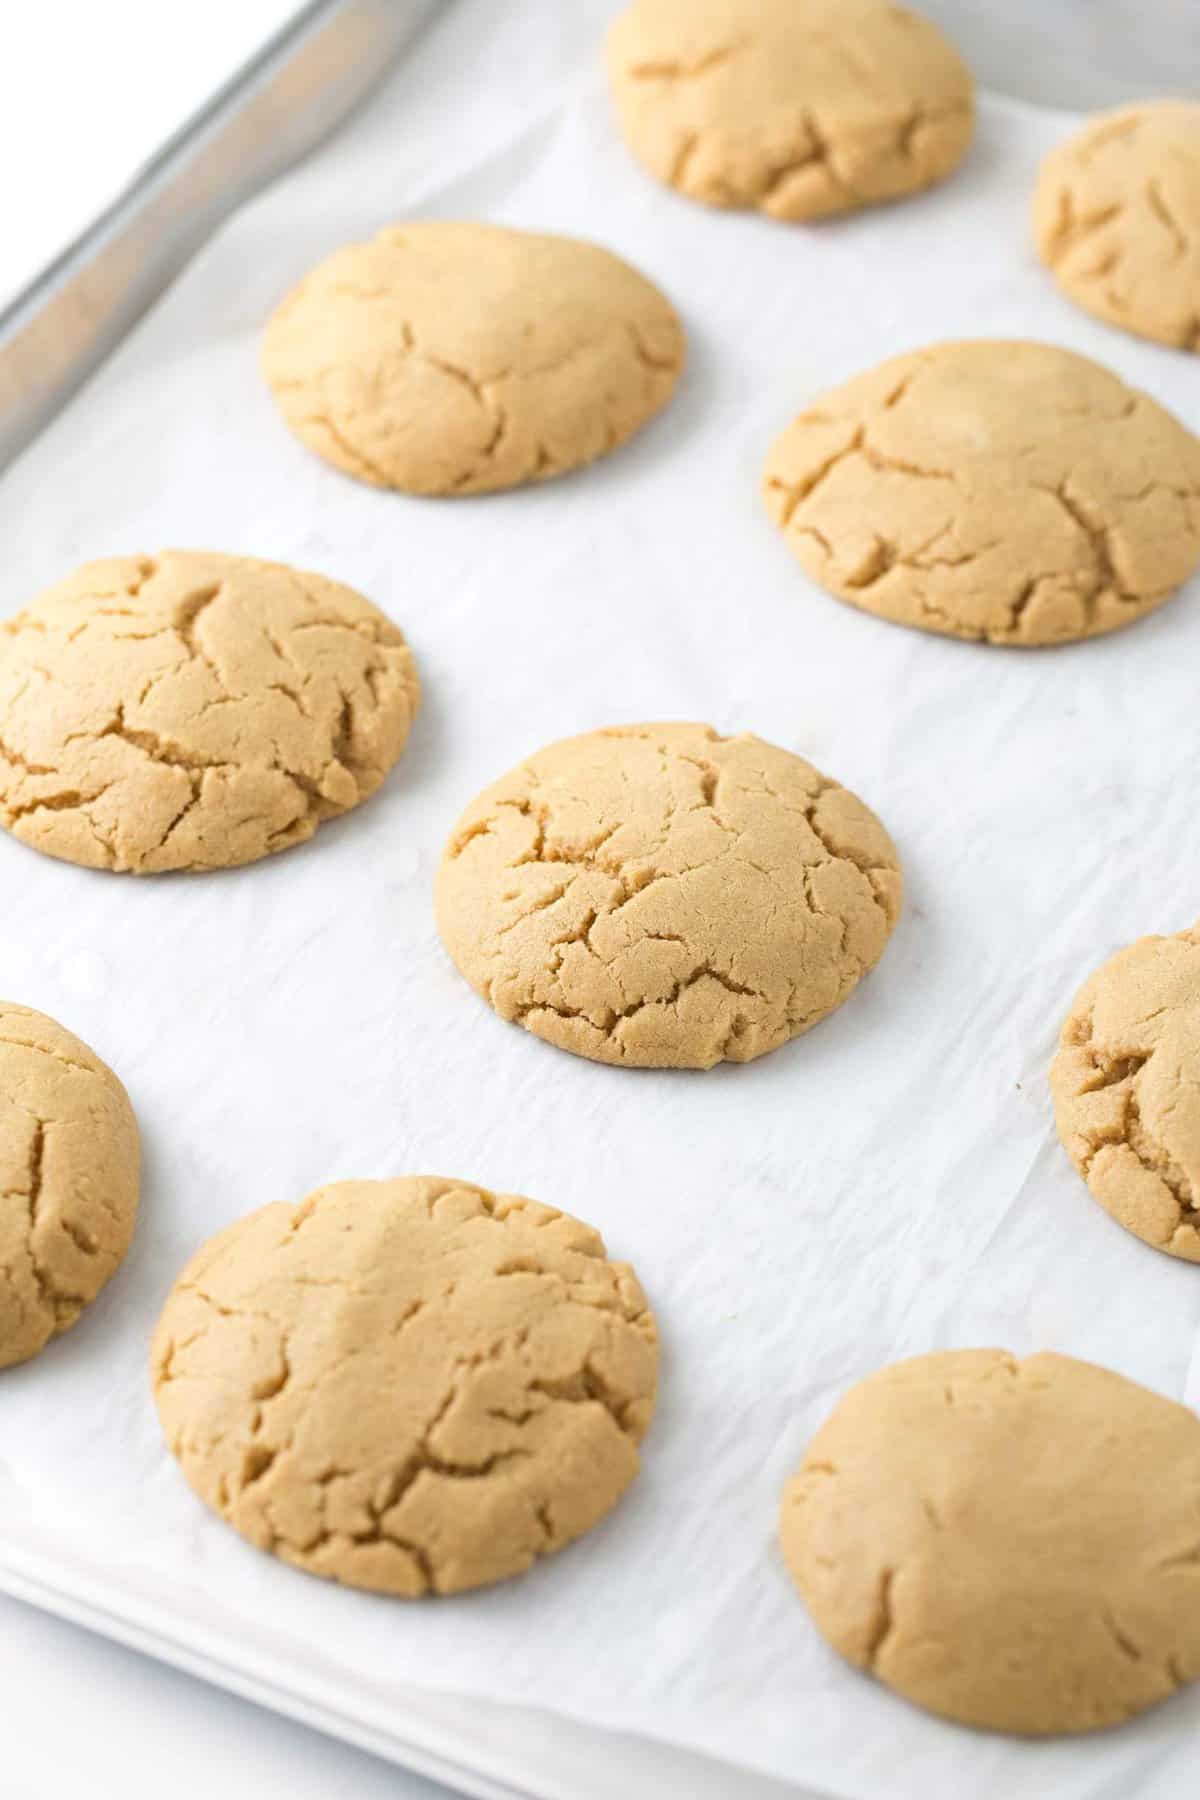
(659,896)
(446,358)
(1010,493)
(1126,1089)
(1014,1545)
(194,711)
(414,1386)
(1116,217)
(799,108)
(68,1179)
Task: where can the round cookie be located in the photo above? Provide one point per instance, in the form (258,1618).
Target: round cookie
(1012,1545)
(662,897)
(414,1386)
(194,711)
(458,359)
(1012,493)
(1126,1089)
(800,108)
(1116,216)
(68,1179)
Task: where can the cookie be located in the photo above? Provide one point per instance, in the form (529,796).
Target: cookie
(194,711)
(1116,216)
(662,897)
(457,359)
(800,108)
(414,1386)
(68,1179)
(1012,1545)
(1011,493)
(1126,1088)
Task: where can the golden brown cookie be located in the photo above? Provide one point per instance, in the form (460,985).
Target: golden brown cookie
(1126,1087)
(1116,216)
(1013,493)
(68,1179)
(414,1386)
(458,358)
(1013,1545)
(801,108)
(663,897)
(194,711)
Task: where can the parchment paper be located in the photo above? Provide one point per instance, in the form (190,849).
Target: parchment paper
(888,1184)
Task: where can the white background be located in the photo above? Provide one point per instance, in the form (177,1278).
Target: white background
(89,89)
(133,71)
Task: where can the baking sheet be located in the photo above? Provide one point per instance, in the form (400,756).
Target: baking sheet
(888,1184)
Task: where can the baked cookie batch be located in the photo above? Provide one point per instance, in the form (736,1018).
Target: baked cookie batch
(417,1386)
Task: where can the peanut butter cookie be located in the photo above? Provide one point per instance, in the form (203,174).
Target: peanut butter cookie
(801,108)
(194,711)
(414,1386)
(68,1179)
(1116,216)
(1013,1545)
(1013,493)
(1126,1087)
(662,897)
(450,358)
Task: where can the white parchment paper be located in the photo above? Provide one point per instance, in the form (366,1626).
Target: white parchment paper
(886,1185)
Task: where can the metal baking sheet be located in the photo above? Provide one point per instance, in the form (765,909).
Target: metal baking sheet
(722,420)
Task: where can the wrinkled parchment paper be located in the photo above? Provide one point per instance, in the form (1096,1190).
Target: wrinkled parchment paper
(888,1184)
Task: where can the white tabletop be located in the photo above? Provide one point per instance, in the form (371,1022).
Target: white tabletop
(80,1713)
